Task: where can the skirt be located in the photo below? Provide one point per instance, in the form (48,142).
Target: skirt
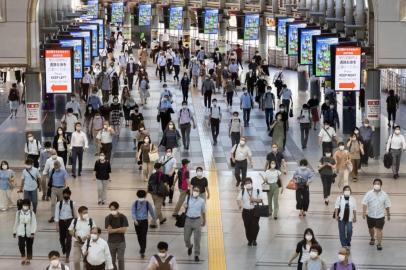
(115,118)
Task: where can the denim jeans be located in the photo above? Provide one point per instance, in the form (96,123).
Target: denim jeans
(268,116)
(246,115)
(345,232)
(32,195)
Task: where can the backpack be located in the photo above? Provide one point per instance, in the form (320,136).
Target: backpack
(163,265)
(37,145)
(180,113)
(71,206)
(62,267)
(136,203)
(212,110)
(352,266)
(13,96)
(75,221)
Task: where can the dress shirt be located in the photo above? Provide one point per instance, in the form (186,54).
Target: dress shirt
(59,267)
(70,120)
(286,94)
(376,202)
(242,152)
(176,60)
(233,68)
(366,133)
(396,142)
(29,183)
(161,61)
(153,264)
(49,165)
(105,136)
(196,207)
(25,223)
(98,253)
(82,228)
(171,164)
(66,211)
(140,210)
(74,105)
(271,176)
(246,101)
(33,148)
(215,112)
(327,135)
(245,198)
(340,204)
(87,78)
(79,139)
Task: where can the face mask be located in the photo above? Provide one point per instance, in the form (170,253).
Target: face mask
(196,193)
(168,154)
(170,126)
(248,186)
(275,149)
(328,154)
(60,132)
(4,167)
(146,141)
(214,103)
(102,157)
(54,157)
(141,199)
(77,129)
(93,236)
(28,167)
(331,107)
(72,99)
(377,187)
(26,207)
(141,130)
(85,216)
(106,126)
(114,212)
(309,237)
(162,254)
(313,254)
(347,193)
(30,139)
(303,167)
(54,263)
(366,125)
(282,110)
(200,174)
(341,257)
(397,132)
(273,166)
(66,197)
(356,131)
(341,147)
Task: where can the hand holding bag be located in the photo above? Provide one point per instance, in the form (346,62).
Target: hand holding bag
(265,185)
(153,156)
(181,219)
(261,210)
(232,158)
(292,184)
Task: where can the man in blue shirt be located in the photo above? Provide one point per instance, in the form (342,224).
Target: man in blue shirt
(176,66)
(57,183)
(246,104)
(30,180)
(139,211)
(195,220)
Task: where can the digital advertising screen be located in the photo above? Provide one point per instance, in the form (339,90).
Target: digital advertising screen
(117,12)
(78,61)
(92,9)
(322,54)
(87,51)
(144,15)
(305,52)
(176,18)
(347,68)
(95,36)
(251,27)
(100,22)
(292,37)
(58,71)
(211,21)
(281,31)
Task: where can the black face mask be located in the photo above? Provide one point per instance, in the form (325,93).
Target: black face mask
(66,198)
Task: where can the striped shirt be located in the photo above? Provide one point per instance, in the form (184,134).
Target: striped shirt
(376,202)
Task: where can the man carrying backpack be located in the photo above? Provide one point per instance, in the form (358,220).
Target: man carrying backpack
(33,149)
(104,83)
(343,262)
(64,213)
(158,187)
(54,262)
(14,100)
(185,121)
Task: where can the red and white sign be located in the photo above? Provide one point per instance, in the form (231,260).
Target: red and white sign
(33,112)
(348,69)
(58,71)
(373,109)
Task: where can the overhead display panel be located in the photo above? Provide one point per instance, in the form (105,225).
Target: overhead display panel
(92,9)
(322,54)
(251,27)
(94,27)
(211,21)
(292,37)
(100,22)
(78,59)
(58,71)
(281,30)
(87,36)
(144,15)
(117,12)
(175,18)
(305,50)
(347,68)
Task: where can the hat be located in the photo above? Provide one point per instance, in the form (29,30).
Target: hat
(185,161)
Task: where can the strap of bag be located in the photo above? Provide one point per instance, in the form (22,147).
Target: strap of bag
(235,150)
(328,134)
(163,164)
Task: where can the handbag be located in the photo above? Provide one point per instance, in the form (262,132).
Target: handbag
(338,210)
(181,219)
(261,210)
(292,185)
(153,156)
(333,139)
(232,158)
(291,113)
(279,182)
(265,185)
(388,158)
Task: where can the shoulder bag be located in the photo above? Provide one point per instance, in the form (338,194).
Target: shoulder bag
(181,219)
(232,158)
(153,156)
(387,158)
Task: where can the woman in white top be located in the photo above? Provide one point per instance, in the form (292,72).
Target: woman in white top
(271,185)
(395,145)
(25,226)
(345,213)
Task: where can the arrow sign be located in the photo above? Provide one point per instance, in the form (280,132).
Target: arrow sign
(347,85)
(59,87)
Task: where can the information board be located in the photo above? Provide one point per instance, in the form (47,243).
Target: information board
(281,31)
(117,12)
(78,62)
(92,9)
(306,45)
(322,54)
(87,36)
(100,22)
(347,69)
(58,71)
(94,27)
(211,21)
(33,112)
(292,37)
(251,27)
(373,109)
(175,18)
(144,15)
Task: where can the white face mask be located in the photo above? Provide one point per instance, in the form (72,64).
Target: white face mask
(347,193)
(184,106)
(341,147)
(328,154)
(4,167)
(199,174)
(146,141)
(365,125)
(141,199)
(170,126)
(313,254)
(273,166)
(303,167)
(54,157)
(93,236)
(377,187)
(242,143)
(54,263)
(102,157)
(106,126)
(30,139)
(214,103)
(28,167)
(196,193)
(168,154)
(308,237)
(341,257)
(397,132)
(60,132)
(26,207)
(356,131)
(162,254)
(248,186)
(114,212)
(85,216)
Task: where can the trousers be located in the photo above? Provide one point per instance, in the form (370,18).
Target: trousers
(117,251)
(185,131)
(32,195)
(64,237)
(181,199)
(246,115)
(215,128)
(240,170)
(251,224)
(273,199)
(56,195)
(268,116)
(141,230)
(345,232)
(25,243)
(235,138)
(302,199)
(106,149)
(207,98)
(304,133)
(193,226)
(77,155)
(326,181)
(397,156)
(158,200)
(102,189)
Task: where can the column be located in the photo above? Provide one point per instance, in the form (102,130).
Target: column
(155,24)
(373,97)
(186,28)
(263,38)
(33,96)
(349,17)
(339,14)
(330,12)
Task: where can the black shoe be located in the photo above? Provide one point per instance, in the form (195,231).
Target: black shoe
(254,243)
(197,259)
(174,215)
(99,202)
(249,244)
(238,184)
(379,247)
(74,175)
(79,174)
(142,255)
(163,203)
(51,220)
(189,250)
(326,202)
(170,201)
(163,221)
(275,218)
(153,226)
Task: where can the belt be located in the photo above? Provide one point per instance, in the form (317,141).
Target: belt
(192,217)
(58,186)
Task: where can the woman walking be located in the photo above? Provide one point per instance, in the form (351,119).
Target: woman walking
(278,132)
(327,175)
(184,86)
(102,171)
(345,213)
(356,150)
(146,151)
(7,183)
(314,104)
(303,248)
(271,185)
(128,104)
(303,177)
(229,89)
(60,144)
(115,115)
(171,137)
(144,90)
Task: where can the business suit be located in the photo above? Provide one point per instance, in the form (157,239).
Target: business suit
(130,71)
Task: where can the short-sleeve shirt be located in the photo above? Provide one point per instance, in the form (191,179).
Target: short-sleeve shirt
(196,207)
(201,183)
(271,176)
(303,250)
(278,157)
(244,195)
(376,202)
(5,176)
(58,178)
(116,222)
(327,135)
(30,183)
(327,170)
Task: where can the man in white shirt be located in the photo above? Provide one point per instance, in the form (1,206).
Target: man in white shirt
(376,202)
(69,120)
(54,261)
(215,119)
(74,104)
(326,137)
(162,259)
(105,137)
(286,96)
(87,80)
(80,230)
(168,162)
(241,154)
(49,164)
(395,145)
(96,252)
(32,149)
(161,62)
(185,121)
(78,144)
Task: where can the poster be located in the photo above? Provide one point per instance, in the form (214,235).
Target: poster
(281,31)
(322,55)
(211,21)
(292,37)
(58,71)
(347,73)
(92,9)
(175,18)
(270,22)
(251,27)
(144,15)
(33,112)
(373,109)
(100,22)
(87,36)
(306,45)
(117,12)
(95,36)
(78,61)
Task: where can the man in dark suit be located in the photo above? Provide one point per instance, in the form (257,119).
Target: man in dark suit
(217,56)
(130,71)
(251,80)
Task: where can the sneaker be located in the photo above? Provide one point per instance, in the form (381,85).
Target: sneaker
(163,221)
(197,258)
(254,243)
(372,242)
(249,244)
(189,250)
(51,220)
(99,202)
(74,175)
(379,247)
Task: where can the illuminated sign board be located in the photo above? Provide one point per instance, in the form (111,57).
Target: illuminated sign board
(305,51)
(211,21)
(144,15)
(322,54)
(292,38)
(281,31)
(58,71)
(78,58)
(251,27)
(347,68)
(176,18)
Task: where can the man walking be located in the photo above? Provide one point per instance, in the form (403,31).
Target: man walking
(241,154)
(268,105)
(158,187)
(208,88)
(57,183)
(78,144)
(96,252)
(246,104)
(105,138)
(185,121)
(215,119)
